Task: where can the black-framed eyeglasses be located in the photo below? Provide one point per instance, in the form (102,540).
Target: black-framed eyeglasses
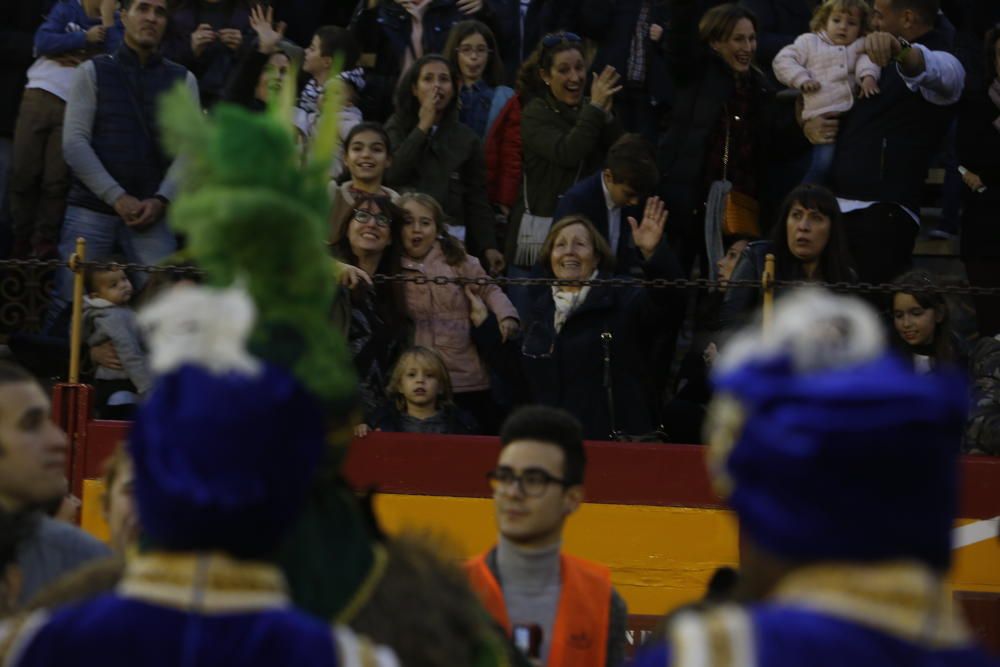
(364,217)
(468,50)
(554,38)
(531,483)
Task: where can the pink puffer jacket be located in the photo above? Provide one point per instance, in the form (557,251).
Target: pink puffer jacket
(839,70)
(440,314)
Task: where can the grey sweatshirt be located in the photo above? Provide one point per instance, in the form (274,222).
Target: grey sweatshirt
(104,321)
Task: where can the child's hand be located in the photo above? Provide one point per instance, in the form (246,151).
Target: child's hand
(494,258)
(106,355)
(655,32)
(509,328)
(477,308)
(810,86)
(869,87)
(361,430)
(95,35)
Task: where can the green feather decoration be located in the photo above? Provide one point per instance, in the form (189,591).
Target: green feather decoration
(251,211)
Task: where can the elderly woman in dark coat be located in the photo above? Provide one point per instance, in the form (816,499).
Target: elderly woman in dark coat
(582,346)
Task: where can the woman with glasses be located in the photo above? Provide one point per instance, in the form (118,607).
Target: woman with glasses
(472,51)
(726,122)
(489,109)
(435,154)
(583,346)
(371,316)
(564,135)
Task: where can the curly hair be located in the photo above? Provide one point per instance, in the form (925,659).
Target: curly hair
(430,360)
(529,78)
(823,12)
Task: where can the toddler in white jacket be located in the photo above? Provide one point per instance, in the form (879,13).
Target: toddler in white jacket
(830,67)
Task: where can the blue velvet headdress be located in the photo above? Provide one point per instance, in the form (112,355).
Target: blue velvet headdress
(226,446)
(831,448)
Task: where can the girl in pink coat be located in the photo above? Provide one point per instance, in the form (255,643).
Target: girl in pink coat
(441,313)
(830,67)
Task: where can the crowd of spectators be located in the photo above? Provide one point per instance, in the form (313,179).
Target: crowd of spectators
(535,138)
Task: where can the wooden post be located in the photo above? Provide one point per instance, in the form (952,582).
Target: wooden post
(767,284)
(76,325)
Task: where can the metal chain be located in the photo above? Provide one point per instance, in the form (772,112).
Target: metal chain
(502,281)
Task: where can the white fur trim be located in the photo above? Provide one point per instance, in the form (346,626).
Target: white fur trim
(204,326)
(817,328)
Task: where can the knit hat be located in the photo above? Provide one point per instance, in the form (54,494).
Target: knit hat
(829,447)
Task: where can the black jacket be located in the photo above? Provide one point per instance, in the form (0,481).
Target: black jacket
(567,369)
(457,421)
(611,23)
(703,84)
(979,152)
(739,303)
(885,144)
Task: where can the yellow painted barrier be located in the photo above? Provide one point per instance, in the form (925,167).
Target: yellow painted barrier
(660,557)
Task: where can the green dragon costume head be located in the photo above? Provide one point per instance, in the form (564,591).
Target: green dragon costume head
(251,211)
(254,212)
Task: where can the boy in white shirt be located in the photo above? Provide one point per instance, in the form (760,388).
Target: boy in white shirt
(73,30)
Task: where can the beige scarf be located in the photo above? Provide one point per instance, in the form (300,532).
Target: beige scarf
(566,301)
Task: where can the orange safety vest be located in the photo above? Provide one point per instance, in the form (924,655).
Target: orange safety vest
(580,633)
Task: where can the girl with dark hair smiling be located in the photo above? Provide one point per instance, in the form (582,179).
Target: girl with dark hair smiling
(921,323)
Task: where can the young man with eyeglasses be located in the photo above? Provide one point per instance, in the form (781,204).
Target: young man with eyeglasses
(560,609)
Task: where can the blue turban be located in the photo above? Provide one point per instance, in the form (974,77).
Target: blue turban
(223,461)
(855,463)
